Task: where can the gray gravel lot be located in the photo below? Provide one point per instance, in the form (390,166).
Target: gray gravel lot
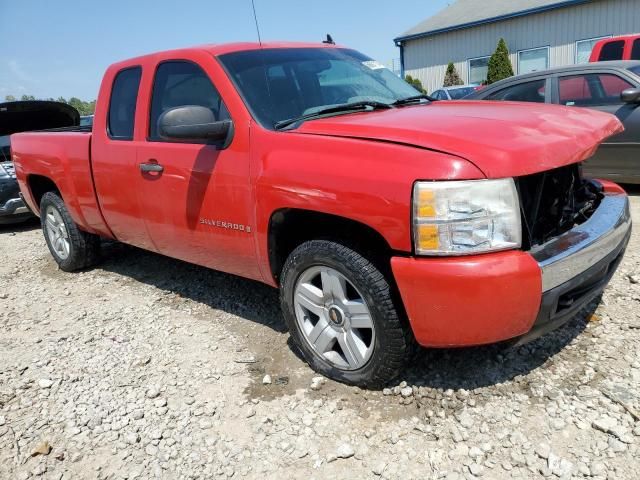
(147,367)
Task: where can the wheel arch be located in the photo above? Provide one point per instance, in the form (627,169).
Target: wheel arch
(290,227)
(39,185)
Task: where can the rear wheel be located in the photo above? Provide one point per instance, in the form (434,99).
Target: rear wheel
(71,248)
(341,314)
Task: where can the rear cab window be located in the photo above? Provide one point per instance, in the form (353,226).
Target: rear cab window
(179,83)
(612,51)
(635,50)
(122,104)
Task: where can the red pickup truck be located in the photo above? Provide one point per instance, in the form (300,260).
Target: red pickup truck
(386,219)
(626,47)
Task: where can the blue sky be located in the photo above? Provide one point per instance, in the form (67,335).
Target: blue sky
(61,48)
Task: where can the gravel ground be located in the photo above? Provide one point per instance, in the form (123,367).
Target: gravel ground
(147,367)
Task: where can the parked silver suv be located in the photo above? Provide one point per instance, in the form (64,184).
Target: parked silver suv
(456,93)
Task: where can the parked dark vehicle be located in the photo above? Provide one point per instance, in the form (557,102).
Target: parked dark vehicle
(612,87)
(23,117)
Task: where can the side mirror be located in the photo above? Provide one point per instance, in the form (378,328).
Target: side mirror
(630,95)
(193,123)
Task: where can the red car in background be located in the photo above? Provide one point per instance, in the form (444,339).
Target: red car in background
(616,48)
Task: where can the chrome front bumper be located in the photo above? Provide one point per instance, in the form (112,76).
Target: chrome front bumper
(573,252)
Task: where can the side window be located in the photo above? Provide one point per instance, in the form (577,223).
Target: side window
(122,105)
(478,69)
(523,92)
(574,90)
(180,83)
(612,51)
(438,95)
(635,50)
(584,48)
(592,89)
(613,86)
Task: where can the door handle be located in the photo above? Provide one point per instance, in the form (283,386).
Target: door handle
(151,168)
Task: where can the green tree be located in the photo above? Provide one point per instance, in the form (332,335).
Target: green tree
(415,83)
(9,98)
(27,97)
(499,64)
(77,104)
(85,108)
(452,78)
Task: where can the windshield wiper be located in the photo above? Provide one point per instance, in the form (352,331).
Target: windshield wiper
(346,107)
(413,99)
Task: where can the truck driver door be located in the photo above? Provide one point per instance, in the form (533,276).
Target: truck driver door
(196,197)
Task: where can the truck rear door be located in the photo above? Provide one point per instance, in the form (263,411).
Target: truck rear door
(114,155)
(195,197)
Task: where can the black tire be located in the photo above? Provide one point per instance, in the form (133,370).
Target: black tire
(84,248)
(393,343)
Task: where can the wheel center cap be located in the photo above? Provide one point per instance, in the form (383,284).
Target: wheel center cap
(335,315)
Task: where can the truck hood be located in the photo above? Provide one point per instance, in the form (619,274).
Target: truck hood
(503,139)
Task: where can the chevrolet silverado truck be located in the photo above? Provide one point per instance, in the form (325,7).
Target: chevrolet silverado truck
(386,220)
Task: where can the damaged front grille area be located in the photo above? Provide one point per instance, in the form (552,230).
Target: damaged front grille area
(554,202)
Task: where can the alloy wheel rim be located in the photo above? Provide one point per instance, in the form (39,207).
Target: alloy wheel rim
(334,318)
(57,232)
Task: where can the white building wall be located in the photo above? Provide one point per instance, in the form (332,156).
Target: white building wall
(427,58)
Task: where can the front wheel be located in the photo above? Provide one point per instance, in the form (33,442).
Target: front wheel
(71,248)
(341,314)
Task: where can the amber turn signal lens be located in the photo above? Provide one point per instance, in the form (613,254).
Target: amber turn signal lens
(426,203)
(428,238)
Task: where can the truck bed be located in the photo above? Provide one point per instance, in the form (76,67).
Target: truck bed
(75,128)
(64,156)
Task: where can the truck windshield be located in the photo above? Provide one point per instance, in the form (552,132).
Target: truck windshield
(284,83)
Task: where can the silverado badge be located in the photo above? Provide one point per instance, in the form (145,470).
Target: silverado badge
(226,225)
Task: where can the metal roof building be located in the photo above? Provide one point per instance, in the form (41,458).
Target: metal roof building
(539,33)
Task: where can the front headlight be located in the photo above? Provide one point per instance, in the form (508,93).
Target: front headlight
(465,217)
